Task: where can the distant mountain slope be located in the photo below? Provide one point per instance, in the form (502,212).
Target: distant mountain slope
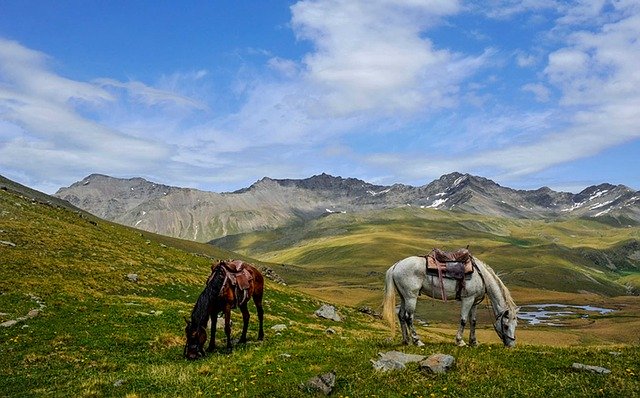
(572,255)
(272,203)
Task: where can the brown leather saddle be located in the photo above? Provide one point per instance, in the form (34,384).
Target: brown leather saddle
(239,278)
(457,265)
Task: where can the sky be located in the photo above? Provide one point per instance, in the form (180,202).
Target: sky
(215,95)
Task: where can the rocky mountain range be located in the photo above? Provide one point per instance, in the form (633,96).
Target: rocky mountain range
(271,203)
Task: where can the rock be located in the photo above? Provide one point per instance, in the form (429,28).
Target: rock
(394,360)
(438,363)
(401,357)
(279,327)
(8,324)
(328,312)
(33,313)
(369,311)
(270,274)
(387,365)
(590,368)
(330,331)
(132,278)
(323,383)
(118,383)
(7,243)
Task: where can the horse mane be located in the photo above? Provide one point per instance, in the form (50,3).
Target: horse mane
(200,313)
(505,292)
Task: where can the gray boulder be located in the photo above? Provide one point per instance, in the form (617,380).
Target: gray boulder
(590,368)
(394,360)
(438,363)
(328,312)
(323,383)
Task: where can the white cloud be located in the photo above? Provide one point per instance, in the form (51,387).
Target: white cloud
(25,71)
(596,73)
(373,71)
(42,120)
(150,96)
(540,91)
(373,57)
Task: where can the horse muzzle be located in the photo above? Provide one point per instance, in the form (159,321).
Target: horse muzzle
(192,353)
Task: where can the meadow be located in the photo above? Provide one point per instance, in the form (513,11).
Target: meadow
(91,331)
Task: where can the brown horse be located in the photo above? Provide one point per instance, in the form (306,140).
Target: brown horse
(230,285)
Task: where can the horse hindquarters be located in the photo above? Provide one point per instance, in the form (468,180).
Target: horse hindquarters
(405,278)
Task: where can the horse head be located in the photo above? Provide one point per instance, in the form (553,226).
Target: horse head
(505,326)
(196,337)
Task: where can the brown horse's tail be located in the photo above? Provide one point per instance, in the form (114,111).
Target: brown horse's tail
(389,302)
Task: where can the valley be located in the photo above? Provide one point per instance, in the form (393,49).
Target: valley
(79,325)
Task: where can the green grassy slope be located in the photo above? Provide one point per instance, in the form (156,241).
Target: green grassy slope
(97,334)
(565,255)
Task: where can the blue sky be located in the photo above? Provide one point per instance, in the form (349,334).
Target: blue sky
(216,95)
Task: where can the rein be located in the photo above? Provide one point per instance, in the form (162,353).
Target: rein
(499,330)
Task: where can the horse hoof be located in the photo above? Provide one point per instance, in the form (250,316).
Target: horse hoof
(461,343)
(419,343)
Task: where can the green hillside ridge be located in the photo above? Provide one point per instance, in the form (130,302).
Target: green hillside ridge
(95,333)
(564,255)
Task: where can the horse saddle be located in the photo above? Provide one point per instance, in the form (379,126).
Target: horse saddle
(239,278)
(456,265)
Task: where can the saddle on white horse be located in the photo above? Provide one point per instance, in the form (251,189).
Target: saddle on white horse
(456,265)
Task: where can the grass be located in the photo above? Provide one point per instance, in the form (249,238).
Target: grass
(564,255)
(97,334)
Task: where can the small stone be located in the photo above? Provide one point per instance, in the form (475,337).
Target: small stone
(118,383)
(279,327)
(438,363)
(590,368)
(323,383)
(328,312)
(8,324)
(387,365)
(33,313)
(330,331)
(132,278)
(394,360)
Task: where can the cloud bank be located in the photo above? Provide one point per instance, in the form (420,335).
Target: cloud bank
(378,87)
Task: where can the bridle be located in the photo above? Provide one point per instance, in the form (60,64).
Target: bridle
(199,348)
(500,321)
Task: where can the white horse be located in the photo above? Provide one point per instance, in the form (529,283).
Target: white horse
(409,278)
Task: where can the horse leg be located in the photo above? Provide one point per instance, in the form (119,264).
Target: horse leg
(245,323)
(227,328)
(257,300)
(465,309)
(472,329)
(212,341)
(406,316)
(402,320)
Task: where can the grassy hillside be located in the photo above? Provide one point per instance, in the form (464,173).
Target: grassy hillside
(566,255)
(90,331)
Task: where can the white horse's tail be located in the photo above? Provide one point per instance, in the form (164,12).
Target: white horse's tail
(389,302)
